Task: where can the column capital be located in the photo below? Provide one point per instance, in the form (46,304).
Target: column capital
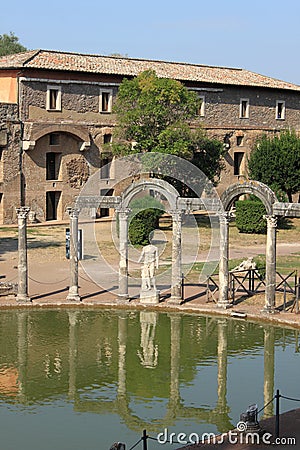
(176,214)
(73,212)
(271,220)
(22,212)
(123,212)
(224,217)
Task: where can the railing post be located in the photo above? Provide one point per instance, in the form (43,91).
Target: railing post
(145,437)
(277,397)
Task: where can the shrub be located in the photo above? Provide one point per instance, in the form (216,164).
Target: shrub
(144,218)
(249,216)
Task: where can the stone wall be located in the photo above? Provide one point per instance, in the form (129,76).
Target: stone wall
(80,108)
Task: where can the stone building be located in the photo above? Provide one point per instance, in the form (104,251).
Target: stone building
(56,114)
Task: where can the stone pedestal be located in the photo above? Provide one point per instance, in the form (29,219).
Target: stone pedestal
(149,297)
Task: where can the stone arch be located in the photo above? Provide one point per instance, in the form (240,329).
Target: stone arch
(162,186)
(37,131)
(268,197)
(260,190)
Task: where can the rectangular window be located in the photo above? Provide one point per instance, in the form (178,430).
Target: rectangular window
(105,168)
(239,140)
(52,202)
(53,101)
(244,108)
(280,109)
(54,139)
(105,100)
(52,165)
(107,139)
(201,111)
(238,159)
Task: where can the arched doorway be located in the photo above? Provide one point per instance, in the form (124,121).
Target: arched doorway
(268,197)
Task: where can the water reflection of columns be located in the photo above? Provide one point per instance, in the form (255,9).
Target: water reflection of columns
(175,321)
(122,340)
(73,294)
(222,366)
(22,295)
(270,264)
(269,366)
(123,249)
(73,315)
(22,353)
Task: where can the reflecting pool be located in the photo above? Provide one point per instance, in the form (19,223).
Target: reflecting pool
(83,379)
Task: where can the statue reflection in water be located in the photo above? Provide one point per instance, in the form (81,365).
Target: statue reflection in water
(149,353)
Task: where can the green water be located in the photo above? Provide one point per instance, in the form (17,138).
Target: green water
(74,379)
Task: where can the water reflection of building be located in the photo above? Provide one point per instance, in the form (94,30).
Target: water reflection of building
(98,349)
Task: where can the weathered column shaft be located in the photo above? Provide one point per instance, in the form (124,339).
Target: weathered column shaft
(176,295)
(73,294)
(223,266)
(123,265)
(270,263)
(22,295)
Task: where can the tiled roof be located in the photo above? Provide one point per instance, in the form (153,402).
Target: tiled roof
(75,62)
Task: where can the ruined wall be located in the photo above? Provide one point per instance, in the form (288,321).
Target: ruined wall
(222,108)
(80,108)
(10,131)
(72,169)
(80,103)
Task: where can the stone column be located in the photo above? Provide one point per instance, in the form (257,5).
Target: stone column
(123,249)
(270,264)
(73,294)
(269,357)
(22,295)
(176,278)
(223,266)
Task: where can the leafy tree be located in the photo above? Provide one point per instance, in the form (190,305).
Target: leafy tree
(144,219)
(9,44)
(154,114)
(276,162)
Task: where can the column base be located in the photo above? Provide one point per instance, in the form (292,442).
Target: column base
(23,298)
(73,295)
(149,297)
(269,310)
(122,298)
(175,300)
(224,305)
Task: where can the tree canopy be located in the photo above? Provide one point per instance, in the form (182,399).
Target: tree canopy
(154,115)
(9,44)
(276,162)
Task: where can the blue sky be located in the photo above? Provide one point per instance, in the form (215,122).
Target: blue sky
(258,35)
